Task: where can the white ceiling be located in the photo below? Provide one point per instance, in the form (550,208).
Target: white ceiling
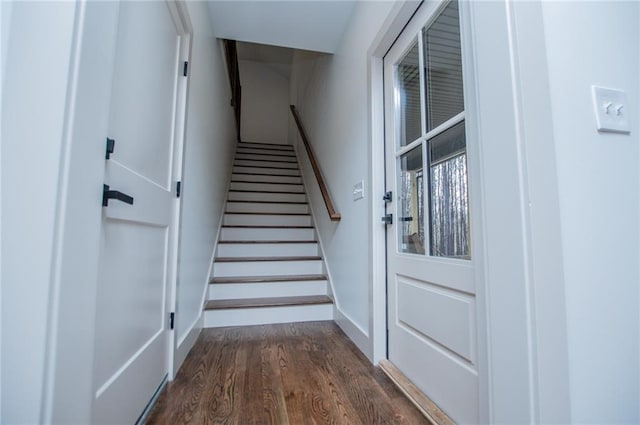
(302,24)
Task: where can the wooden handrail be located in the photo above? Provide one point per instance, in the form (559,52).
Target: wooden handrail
(231,53)
(333,214)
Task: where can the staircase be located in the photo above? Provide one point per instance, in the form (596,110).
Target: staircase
(267,267)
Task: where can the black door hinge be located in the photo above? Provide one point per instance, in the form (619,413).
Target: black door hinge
(171,317)
(185,68)
(387,219)
(388,197)
(111,145)
(178,189)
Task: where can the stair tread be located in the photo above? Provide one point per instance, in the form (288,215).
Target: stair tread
(272,278)
(268,302)
(283,258)
(283,148)
(264,174)
(290,147)
(266,202)
(266,242)
(257,226)
(265,191)
(269,167)
(265,159)
(281,153)
(266,213)
(259,182)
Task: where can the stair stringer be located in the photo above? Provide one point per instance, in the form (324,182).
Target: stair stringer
(358,335)
(205,291)
(331,290)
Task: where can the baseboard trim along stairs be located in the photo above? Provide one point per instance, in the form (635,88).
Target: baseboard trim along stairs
(267,267)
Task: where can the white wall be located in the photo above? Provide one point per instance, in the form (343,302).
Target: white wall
(265,103)
(209,147)
(5,19)
(5,13)
(330,93)
(597,43)
(33,105)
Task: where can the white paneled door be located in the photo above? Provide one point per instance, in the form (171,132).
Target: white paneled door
(431,290)
(131,348)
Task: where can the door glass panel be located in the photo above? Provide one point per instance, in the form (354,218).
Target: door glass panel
(443,67)
(449,199)
(410,217)
(408,96)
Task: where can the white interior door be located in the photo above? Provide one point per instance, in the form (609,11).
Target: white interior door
(430,276)
(131,348)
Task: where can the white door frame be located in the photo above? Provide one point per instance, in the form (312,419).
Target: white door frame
(68,377)
(397,19)
(523,361)
(185,29)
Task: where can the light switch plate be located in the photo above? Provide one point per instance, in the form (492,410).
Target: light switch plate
(611,111)
(358,190)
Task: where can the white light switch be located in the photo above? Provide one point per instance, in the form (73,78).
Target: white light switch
(358,190)
(611,110)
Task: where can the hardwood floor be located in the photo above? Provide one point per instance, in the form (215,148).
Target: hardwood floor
(300,373)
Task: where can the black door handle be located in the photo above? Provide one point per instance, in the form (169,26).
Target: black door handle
(406,218)
(114,194)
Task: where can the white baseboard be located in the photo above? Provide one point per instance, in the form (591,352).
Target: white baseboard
(185,344)
(355,333)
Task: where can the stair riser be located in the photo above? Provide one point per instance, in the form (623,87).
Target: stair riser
(271,289)
(266,315)
(290,154)
(268,157)
(268,164)
(266,179)
(263,196)
(268,208)
(277,234)
(267,268)
(253,169)
(266,220)
(267,187)
(267,249)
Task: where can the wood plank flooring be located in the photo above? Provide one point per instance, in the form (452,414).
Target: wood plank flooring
(295,374)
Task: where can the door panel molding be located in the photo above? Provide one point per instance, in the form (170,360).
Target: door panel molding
(441,272)
(443,316)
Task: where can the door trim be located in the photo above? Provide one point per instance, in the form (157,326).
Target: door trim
(180,14)
(400,14)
